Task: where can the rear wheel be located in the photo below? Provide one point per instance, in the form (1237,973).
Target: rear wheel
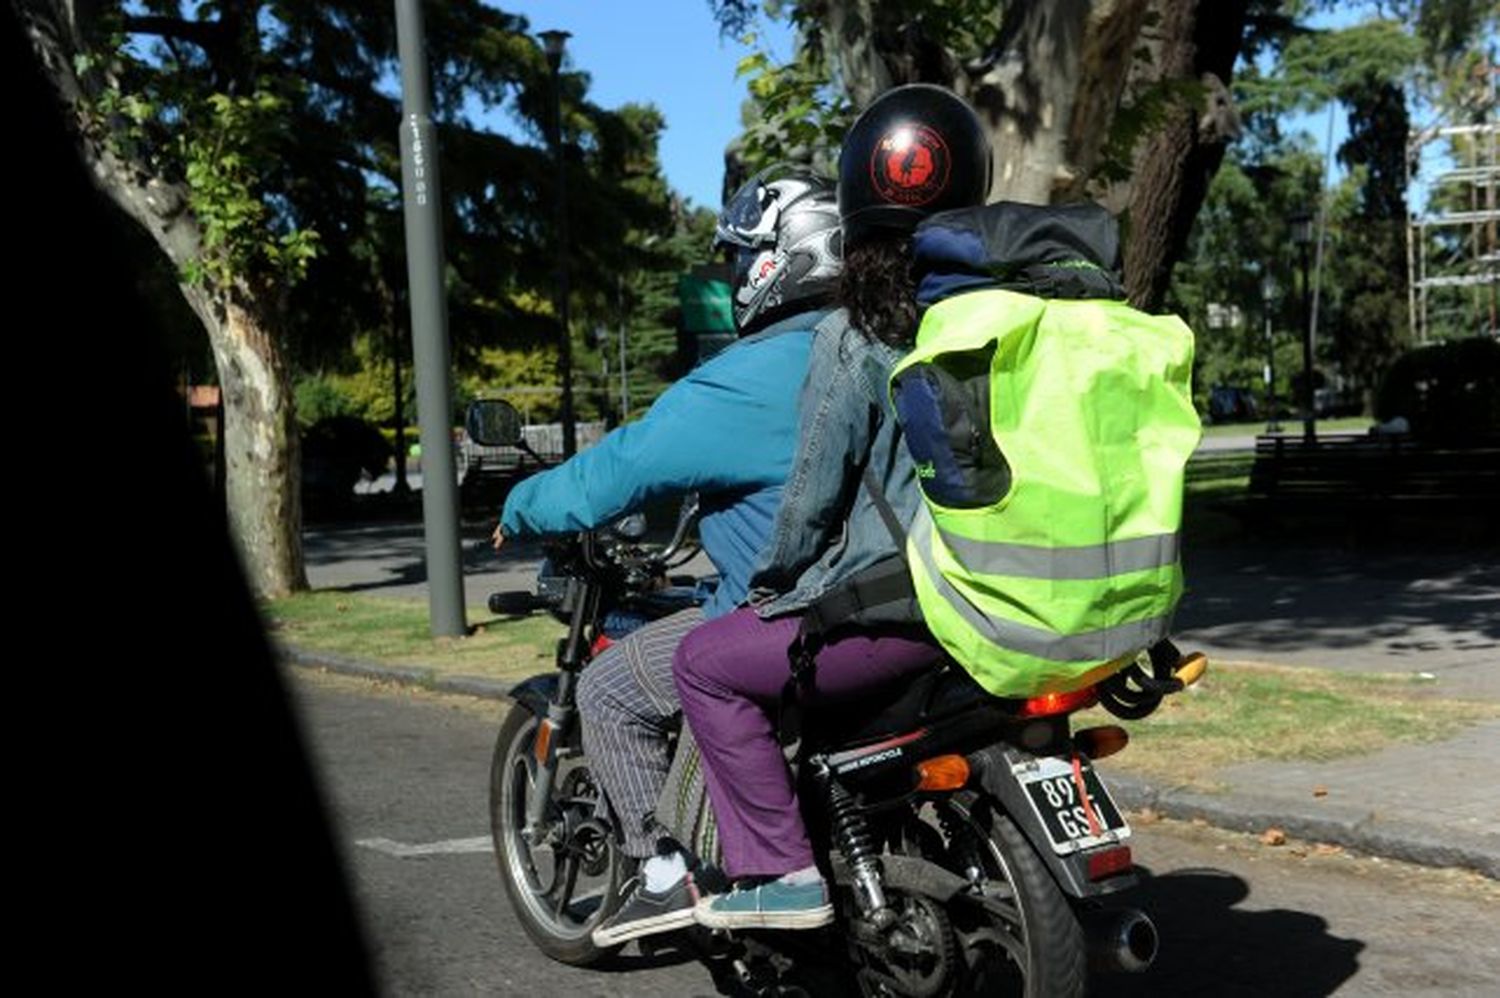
(1011,933)
(1020,935)
(565,879)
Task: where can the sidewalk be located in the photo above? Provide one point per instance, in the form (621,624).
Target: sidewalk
(1432,612)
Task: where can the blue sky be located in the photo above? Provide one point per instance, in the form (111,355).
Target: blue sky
(668,53)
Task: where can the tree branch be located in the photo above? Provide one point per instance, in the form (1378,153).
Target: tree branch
(211,36)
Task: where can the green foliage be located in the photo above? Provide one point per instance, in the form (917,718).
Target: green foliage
(319,397)
(223,162)
(796,114)
(1240,238)
(278,123)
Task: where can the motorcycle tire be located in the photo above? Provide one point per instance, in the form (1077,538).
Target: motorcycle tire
(542,880)
(1042,920)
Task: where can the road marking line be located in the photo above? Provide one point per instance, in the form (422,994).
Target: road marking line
(445,847)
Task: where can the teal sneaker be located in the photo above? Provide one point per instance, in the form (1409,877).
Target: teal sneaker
(771,905)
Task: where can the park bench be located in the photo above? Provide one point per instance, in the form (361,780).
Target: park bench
(1373,479)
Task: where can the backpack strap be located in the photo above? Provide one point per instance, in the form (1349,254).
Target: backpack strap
(881,593)
(887,514)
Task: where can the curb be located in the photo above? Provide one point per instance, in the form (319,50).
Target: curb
(1353,828)
(424,677)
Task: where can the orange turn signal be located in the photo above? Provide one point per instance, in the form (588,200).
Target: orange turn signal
(1097,743)
(943,772)
(1191,668)
(543,740)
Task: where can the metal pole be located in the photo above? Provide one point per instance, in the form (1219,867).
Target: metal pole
(1411,260)
(1322,228)
(422,204)
(624,384)
(565,343)
(1309,430)
(1272,424)
(401,487)
(1422,282)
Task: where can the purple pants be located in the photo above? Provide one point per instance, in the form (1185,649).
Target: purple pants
(730,673)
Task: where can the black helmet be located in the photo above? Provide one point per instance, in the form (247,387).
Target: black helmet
(782,230)
(915,151)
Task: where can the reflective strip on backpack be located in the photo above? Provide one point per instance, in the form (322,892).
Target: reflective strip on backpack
(1092,561)
(1088,646)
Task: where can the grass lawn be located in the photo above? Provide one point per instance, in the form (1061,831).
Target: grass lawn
(1240,712)
(395,632)
(1346,424)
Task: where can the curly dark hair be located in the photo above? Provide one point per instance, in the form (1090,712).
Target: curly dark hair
(877,289)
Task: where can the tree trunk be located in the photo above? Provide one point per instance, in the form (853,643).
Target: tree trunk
(261,445)
(263,481)
(1175,164)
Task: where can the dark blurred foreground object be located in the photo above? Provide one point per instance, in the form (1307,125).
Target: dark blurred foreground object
(176,838)
(1448,392)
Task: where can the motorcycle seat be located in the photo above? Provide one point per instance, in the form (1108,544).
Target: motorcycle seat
(941,691)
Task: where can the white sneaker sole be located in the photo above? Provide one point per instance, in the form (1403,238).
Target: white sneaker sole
(666,922)
(810,918)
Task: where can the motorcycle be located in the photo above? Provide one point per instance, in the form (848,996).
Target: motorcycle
(970,844)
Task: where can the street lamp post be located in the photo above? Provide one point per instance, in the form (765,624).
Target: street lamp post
(554,42)
(1302,236)
(1267,300)
(620,320)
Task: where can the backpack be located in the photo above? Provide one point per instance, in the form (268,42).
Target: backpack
(1050,423)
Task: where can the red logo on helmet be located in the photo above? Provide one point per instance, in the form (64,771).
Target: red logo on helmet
(910,165)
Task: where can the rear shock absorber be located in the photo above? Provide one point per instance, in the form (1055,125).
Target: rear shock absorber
(851,831)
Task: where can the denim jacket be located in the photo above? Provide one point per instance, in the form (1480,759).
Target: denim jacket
(828,526)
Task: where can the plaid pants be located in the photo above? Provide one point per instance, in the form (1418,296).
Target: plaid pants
(629,709)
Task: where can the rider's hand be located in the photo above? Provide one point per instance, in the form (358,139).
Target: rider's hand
(498,537)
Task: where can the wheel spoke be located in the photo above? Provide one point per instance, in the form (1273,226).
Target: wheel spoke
(565,887)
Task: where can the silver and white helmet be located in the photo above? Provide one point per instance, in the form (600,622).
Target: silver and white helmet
(782,230)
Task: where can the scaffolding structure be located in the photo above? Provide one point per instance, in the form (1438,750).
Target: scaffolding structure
(1480,269)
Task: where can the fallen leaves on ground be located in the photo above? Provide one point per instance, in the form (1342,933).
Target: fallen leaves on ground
(1273,837)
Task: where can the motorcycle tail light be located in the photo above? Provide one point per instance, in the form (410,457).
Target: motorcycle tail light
(1101,742)
(1059,703)
(1109,862)
(944,772)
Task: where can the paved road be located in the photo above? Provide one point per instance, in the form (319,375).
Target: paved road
(1237,918)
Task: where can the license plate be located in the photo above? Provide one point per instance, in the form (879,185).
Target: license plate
(1053,791)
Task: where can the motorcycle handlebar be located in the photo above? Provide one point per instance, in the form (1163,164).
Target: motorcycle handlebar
(515,604)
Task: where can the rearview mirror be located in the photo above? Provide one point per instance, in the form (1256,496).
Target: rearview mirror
(493,423)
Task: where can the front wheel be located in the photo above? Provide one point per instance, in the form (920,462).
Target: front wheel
(564,878)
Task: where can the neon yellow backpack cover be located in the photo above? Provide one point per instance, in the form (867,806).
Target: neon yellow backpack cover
(1051,436)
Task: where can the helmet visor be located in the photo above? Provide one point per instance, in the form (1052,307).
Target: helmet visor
(740,221)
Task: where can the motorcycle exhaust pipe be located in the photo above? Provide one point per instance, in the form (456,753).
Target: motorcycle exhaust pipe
(1120,941)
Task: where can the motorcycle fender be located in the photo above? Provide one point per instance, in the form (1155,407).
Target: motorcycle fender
(1071,871)
(909,874)
(535,693)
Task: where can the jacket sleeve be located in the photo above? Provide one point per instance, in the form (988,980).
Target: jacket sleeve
(834,440)
(677,447)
